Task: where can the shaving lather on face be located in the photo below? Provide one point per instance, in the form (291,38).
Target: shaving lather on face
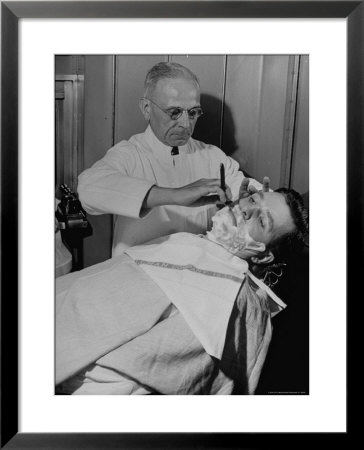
(229,228)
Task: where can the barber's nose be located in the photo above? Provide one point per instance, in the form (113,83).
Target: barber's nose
(184,120)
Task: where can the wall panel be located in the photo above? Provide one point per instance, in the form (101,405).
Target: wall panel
(255,101)
(300,157)
(272,123)
(242,106)
(130,74)
(98,138)
(210,71)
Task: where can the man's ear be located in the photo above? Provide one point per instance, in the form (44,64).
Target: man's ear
(252,249)
(145,108)
(264,258)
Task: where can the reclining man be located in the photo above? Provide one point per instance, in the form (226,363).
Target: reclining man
(182,314)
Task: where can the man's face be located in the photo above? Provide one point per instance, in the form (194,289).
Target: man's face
(172,93)
(249,227)
(266,216)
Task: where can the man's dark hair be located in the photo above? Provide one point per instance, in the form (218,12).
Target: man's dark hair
(299,236)
(289,245)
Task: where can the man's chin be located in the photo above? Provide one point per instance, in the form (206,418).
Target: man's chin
(179,142)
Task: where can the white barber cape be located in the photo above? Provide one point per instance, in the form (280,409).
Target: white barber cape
(201,279)
(118,183)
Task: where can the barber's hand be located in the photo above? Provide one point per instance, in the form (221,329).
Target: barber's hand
(246,189)
(202,192)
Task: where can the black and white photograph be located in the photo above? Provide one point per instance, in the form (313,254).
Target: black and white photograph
(181,219)
(182,224)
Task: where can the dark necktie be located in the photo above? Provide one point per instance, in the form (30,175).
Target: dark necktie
(174,151)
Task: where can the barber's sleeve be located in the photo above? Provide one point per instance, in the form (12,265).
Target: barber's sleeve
(256,184)
(107,188)
(234,177)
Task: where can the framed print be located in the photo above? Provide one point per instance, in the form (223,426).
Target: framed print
(145,28)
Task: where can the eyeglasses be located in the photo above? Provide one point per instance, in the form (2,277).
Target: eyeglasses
(175,113)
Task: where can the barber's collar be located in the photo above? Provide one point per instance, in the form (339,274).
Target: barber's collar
(158,148)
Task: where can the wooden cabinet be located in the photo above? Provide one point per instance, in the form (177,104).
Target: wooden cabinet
(69,120)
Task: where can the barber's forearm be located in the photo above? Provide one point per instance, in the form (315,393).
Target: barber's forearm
(198,193)
(158,196)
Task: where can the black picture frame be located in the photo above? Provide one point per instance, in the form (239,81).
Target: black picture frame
(11,12)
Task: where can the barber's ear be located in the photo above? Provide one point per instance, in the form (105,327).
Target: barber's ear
(264,258)
(145,108)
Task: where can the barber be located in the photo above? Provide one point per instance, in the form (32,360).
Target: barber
(161,181)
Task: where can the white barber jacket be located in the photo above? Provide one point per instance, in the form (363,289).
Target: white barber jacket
(119,182)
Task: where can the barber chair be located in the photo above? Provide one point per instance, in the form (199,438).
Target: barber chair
(286,369)
(73,225)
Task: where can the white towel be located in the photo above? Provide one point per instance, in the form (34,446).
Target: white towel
(200,278)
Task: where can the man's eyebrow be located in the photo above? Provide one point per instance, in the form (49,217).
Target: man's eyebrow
(270,220)
(268,213)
